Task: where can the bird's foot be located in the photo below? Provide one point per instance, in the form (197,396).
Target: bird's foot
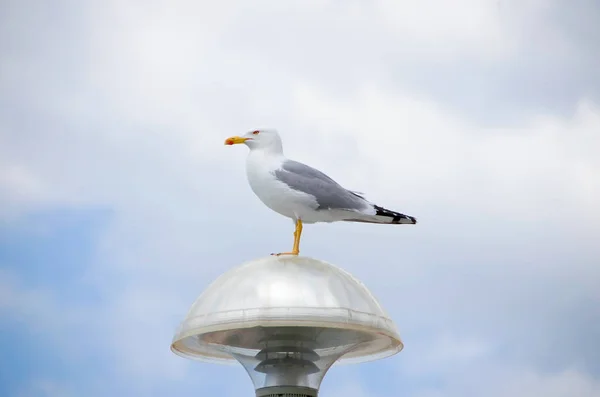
(287,253)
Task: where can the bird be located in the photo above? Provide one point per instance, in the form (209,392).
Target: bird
(303,193)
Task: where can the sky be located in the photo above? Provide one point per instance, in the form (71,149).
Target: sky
(119,203)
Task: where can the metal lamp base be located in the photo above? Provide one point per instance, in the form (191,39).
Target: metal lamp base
(287,391)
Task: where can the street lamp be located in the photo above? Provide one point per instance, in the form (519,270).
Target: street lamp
(287,320)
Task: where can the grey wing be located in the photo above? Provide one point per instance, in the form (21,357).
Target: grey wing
(328,193)
(305,170)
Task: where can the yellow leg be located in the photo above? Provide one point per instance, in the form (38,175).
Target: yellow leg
(297,235)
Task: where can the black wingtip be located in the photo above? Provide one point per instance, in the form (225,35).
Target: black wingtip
(412,219)
(402,219)
(397,218)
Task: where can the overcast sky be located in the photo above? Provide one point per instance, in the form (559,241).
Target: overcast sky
(119,202)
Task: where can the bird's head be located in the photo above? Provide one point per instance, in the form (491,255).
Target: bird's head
(267,139)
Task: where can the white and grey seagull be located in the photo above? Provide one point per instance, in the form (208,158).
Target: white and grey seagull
(302,193)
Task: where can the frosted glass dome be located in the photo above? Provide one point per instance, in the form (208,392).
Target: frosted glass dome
(263,303)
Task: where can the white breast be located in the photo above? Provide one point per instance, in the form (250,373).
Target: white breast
(275,194)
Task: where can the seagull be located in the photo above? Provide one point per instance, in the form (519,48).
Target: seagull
(302,193)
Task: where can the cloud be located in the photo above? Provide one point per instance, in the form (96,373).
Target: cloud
(522,383)
(437,156)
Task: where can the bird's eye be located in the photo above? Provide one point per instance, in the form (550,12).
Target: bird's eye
(255,132)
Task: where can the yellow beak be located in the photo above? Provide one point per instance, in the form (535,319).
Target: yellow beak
(234,140)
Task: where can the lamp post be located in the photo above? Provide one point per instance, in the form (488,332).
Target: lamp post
(286,320)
